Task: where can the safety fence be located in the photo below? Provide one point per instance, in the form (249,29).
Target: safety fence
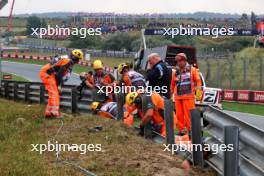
(245,159)
(47,58)
(242,72)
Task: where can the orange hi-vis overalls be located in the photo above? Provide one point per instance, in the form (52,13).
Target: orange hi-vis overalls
(109,110)
(52,76)
(184,84)
(185,140)
(103,80)
(157,104)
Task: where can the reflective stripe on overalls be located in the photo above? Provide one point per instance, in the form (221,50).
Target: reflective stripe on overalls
(184,85)
(111,108)
(136,78)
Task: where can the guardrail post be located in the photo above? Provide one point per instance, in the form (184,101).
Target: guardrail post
(6,89)
(231,160)
(26,90)
(196,133)
(41,94)
(15,90)
(148,126)
(120,104)
(74,100)
(1,85)
(168,115)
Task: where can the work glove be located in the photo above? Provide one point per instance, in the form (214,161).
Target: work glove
(198,94)
(59,89)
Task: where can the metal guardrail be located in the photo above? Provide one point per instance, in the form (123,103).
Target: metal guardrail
(251,143)
(35,92)
(246,159)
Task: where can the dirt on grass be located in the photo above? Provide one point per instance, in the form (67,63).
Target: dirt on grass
(123,151)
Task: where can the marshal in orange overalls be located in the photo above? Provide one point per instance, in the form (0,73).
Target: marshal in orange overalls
(155,109)
(109,110)
(184,84)
(51,76)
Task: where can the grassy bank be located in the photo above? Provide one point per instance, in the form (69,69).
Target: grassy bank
(123,152)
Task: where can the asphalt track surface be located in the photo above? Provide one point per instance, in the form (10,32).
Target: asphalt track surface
(31,72)
(254,120)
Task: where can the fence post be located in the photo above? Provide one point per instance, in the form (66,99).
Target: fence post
(6,89)
(230,74)
(231,160)
(218,73)
(41,94)
(245,73)
(208,74)
(147,127)
(196,133)
(15,91)
(168,115)
(261,74)
(1,86)
(120,105)
(74,100)
(26,90)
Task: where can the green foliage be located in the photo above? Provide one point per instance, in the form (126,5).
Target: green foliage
(118,41)
(33,22)
(234,44)
(183,40)
(91,42)
(250,53)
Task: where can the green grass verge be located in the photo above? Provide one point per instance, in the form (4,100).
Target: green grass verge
(124,153)
(15,77)
(247,108)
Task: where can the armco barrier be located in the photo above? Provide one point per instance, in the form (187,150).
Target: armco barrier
(35,93)
(251,143)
